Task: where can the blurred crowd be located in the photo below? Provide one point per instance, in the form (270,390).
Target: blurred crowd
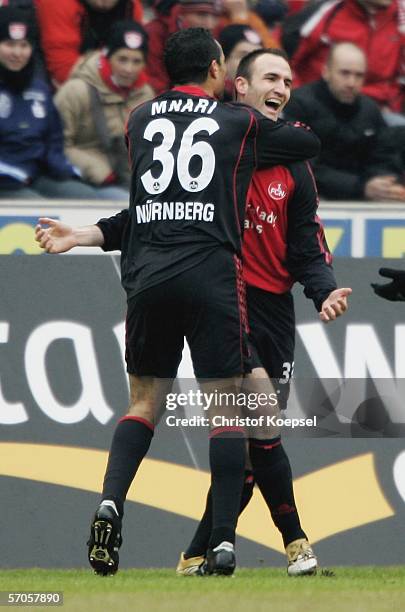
(72,70)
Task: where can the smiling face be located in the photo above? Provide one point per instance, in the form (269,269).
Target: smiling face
(268,87)
(15,54)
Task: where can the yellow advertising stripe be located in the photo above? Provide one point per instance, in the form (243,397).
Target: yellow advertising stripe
(393,242)
(330,500)
(18,236)
(333,499)
(333,237)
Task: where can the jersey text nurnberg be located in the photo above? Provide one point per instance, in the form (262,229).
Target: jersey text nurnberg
(169,211)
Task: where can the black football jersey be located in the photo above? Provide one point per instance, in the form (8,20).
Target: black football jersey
(192,160)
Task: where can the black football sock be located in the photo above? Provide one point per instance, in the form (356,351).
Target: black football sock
(199,544)
(130,443)
(227,462)
(272,472)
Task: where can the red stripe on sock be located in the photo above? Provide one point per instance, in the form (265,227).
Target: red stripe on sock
(266,446)
(219,430)
(140,420)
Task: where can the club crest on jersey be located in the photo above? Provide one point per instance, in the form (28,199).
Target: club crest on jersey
(133,40)
(277,191)
(252,36)
(17,31)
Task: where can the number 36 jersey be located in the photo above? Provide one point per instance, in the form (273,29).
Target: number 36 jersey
(192,159)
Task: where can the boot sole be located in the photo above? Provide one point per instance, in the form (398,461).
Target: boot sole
(100,554)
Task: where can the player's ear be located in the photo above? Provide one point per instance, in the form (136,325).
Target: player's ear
(241,86)
(214,69)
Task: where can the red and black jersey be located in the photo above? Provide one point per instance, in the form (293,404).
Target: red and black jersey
(192,159)
(284,239)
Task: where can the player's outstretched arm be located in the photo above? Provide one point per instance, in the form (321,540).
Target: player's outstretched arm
(335,304)
(56,237)
(393,291)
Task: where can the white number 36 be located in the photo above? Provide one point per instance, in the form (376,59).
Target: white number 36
(187,151)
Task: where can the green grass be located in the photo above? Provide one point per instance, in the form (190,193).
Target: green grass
(366,589)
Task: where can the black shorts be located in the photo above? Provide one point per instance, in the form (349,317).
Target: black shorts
(206,305)
(272,334)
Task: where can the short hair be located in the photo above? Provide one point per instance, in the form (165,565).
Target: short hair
(245,65)
(188,55)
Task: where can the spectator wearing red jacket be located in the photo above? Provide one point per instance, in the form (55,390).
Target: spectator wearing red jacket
(171,17)
(372,25)
(69,28)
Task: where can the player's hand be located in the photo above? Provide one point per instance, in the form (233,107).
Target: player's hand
(393,291)
(56,238)
(335,305)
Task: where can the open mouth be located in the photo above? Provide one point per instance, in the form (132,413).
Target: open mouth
(273,103)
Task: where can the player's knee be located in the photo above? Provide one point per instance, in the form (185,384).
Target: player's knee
(142,411)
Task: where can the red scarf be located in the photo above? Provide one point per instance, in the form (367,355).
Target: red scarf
(105,71)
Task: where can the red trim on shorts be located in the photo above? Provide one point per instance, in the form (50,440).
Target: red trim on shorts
(266,446)
(249,479)
(140,420)
(219,430)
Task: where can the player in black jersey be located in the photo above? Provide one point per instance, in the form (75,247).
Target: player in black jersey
(192,159)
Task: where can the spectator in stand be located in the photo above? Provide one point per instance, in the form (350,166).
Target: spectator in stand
(214,15)
(70,28)
(171,17)
(357,160)
(94,105)
(32,162)
(373,25)
(28,7)
(272,12)
(236,40)
(239,11)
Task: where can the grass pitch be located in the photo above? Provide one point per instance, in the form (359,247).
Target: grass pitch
(366,589)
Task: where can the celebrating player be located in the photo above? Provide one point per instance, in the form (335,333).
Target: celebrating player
(181,270)
(283,243)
